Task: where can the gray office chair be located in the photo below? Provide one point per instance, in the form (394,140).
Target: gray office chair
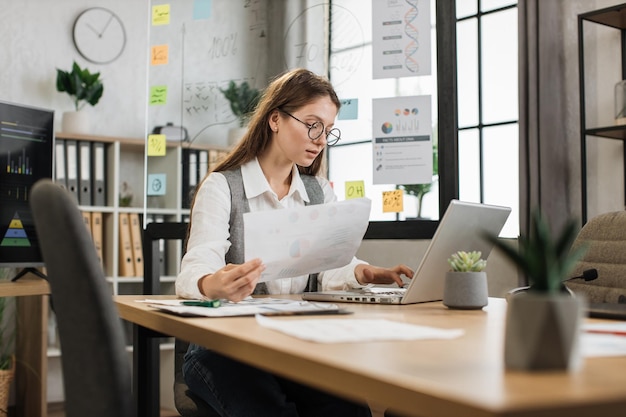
(96,367)
(186,402)
(605,236)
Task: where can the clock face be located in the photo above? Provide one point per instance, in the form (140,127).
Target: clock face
(99,35)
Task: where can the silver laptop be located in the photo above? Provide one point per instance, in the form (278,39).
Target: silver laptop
(462,228)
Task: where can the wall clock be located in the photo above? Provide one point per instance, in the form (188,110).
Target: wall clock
(99,35)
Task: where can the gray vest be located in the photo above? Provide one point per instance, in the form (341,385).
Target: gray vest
(239,205)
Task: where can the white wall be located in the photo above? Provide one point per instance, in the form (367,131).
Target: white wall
(37,39)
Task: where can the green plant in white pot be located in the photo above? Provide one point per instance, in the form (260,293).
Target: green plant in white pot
(466,283)
(243,100)
(84,88)
(543,322)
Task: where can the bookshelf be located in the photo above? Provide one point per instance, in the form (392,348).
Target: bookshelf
(610,23)
(128,168)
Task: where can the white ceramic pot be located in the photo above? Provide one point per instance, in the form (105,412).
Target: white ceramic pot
(465,290)
(75,122)
(543,331)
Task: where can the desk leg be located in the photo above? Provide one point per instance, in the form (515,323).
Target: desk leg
(31,352)
(146,372)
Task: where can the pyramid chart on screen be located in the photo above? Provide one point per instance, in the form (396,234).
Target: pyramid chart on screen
(15,235)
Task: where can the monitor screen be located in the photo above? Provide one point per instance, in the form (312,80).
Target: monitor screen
(26,146)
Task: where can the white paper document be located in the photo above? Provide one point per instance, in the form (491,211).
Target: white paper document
(355,330)
(305,240)
(248,307)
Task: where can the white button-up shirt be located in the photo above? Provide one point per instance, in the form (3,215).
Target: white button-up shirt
(208,237)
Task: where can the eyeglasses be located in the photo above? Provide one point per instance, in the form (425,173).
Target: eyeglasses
(316,129)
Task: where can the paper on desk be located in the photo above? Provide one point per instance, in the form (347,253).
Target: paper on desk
(247,307)
(304,240)
(355,330)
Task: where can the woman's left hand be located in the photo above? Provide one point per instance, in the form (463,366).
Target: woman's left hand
(370,274)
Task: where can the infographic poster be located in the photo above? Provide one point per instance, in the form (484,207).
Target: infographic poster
(401,38)
(402,140)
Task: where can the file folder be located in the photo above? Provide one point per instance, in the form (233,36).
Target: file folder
(135,238)
(60,176)
(203,164)
(190,176)
(71,157)
(87,220)
(84,177)
(98,184)
(127,266)
(96,234)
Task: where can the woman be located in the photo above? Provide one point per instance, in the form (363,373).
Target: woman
(276,165)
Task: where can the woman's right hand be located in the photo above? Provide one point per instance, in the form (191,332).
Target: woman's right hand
(232,282)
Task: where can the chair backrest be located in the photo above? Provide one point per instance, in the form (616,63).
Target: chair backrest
(96,366)
(605,237)
(187,404)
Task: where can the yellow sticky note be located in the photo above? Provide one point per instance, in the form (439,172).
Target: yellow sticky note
(355,189)
(156,145)
(159,55)
(161,14)
(158,95)
(393,201)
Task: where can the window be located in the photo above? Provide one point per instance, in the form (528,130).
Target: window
(487,127)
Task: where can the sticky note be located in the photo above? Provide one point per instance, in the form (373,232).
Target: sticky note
(156,145)
(161,14)
(158,95)
(393,201)
(355,189)
(159,55)
(349,109)
(201,9)
(156,184)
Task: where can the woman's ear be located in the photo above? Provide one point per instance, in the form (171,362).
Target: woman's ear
(273,121)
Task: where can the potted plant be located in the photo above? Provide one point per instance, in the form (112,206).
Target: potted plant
(84,88)
(243,100)
(466,283)
(543,322)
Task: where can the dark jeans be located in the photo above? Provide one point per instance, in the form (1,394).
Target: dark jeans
(237,390)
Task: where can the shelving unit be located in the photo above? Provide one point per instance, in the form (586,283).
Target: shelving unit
(612,17)
(125,161)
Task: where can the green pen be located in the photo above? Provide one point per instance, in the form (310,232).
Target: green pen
(202,303)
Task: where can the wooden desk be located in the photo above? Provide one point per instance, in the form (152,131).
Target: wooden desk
(460,377)
(31,344)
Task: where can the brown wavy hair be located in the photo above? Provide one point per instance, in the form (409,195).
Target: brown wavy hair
(289,92)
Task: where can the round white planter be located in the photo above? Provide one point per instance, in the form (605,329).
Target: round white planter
(75,122)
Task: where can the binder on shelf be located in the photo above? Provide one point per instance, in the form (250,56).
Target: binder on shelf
(84,173)
(190,175)
(60,176)
(71,158)
(87,220)
(96,234)
(127,266)
(203,164)
(98,183)
(135,239)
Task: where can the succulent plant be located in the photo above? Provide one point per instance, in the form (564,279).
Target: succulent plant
(467,261)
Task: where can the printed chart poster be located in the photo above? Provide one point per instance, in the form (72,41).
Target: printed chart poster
(401,38)
(402,140)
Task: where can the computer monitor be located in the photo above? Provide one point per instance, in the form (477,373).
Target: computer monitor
(26,156)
